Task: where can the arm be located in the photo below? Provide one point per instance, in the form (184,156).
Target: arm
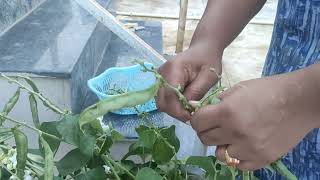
(222,21)
(303,99)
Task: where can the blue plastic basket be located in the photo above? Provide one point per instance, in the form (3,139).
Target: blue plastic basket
(125,79)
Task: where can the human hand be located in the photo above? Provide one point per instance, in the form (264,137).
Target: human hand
(192,71)
(257,121)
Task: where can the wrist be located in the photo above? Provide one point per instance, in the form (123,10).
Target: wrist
(206,54)
(302,89)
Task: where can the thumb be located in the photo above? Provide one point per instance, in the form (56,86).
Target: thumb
(201,84)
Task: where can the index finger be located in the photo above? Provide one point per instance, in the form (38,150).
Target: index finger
(208,117)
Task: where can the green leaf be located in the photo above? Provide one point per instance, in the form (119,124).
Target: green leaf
(226,173)
(170,135)
(48,160)
(10,104)
(137,149)
(4,174)
(57,178)
(70,132)
(34,110)
(142,128)
(51,128)
(205,163)
(147,138)
(71,162)
(116,136)
(95,162)
(105,144)
(162,152)
(168,167)
(86,145)
(93,174)
(22,151)
(69,129)
(148,174)
(96,125)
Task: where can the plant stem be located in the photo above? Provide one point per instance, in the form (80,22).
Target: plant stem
(106,158)
(165,141)
(279,167)
(245,175)
(111,167)
(30,127)
(177,90)
(39,95)
(181,97)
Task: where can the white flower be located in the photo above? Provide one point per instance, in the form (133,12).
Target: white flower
(106,128)
(27,177)
(107,169)
(10,166)
(27,172)
(13,177)
(13,160)
(12,152)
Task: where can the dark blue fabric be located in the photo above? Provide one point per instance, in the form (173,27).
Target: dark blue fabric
(296,44)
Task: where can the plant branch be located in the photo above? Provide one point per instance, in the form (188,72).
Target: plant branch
(111,167)
(30,127)
(39,95)
(176,90)
(106,158)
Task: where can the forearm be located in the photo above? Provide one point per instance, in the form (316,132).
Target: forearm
(223,20)
(303,88)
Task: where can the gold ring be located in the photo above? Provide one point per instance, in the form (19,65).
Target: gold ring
(233,162)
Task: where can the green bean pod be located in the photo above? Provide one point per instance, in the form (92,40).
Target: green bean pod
(130,99)
(34,110)
(11,103)
(48,160)
(30,82)
(22,151)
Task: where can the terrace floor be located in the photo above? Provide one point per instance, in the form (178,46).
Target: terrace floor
(243,59)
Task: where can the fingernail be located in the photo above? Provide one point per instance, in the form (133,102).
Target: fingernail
(194,103)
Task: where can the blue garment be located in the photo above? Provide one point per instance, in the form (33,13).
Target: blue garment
(296,44)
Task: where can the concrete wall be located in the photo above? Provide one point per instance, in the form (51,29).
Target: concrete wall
(12,10)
